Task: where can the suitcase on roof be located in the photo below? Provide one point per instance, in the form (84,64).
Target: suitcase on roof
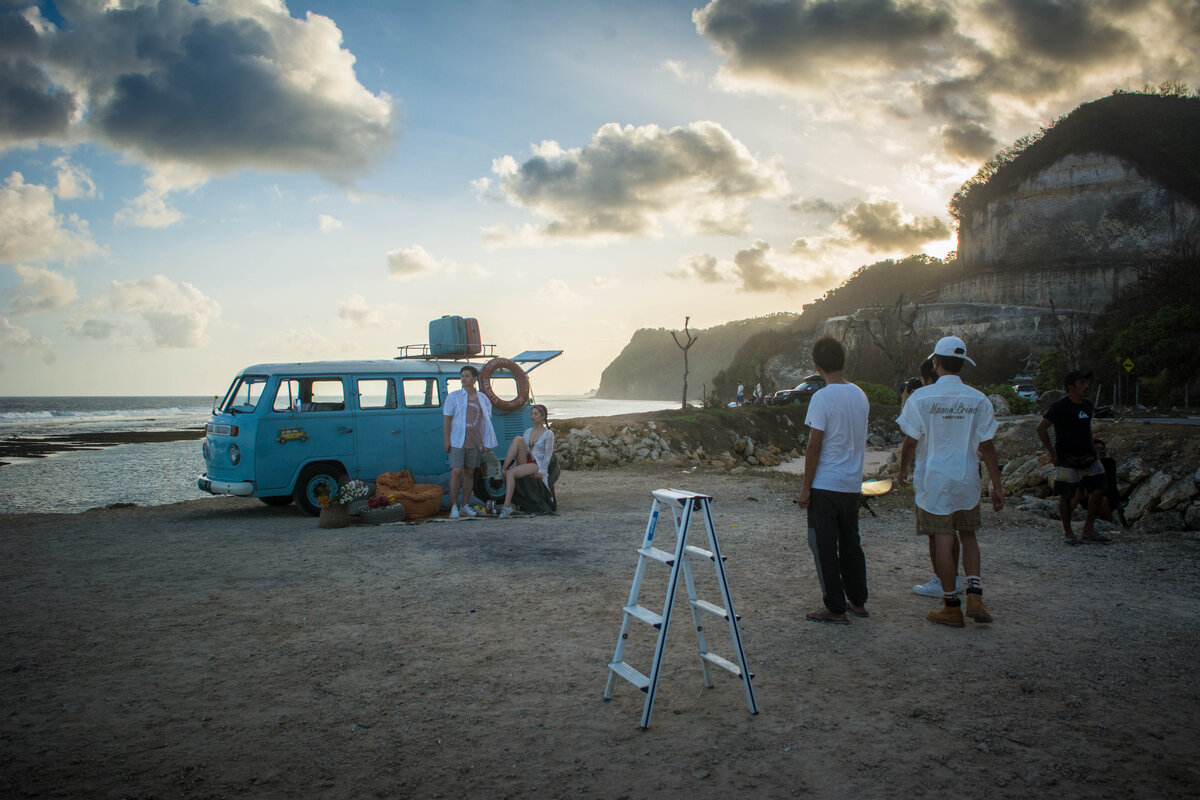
(474,342)
(447,336)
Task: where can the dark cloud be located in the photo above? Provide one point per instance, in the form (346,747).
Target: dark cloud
(801,41)
(31,107)
(969,141)
(702,267)
(1063,31)
(219,86)
(629,181)
(818,205)
(879,227)
(757,274)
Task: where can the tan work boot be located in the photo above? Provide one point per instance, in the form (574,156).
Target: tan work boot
(947,615)
(976,610)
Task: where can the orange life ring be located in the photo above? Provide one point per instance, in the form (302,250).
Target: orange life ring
(485,384)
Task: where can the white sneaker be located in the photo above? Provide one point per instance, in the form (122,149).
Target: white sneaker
(469,510)
(931,589)
(506,511)
(454,512)
(934,587)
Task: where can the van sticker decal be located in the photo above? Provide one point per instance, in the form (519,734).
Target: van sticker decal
(291,434)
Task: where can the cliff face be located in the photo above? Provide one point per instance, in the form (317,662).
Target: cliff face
(1089,209)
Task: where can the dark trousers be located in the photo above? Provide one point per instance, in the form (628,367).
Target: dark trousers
(833,537)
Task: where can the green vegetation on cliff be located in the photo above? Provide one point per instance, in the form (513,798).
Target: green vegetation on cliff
(651,365)
(1155,133)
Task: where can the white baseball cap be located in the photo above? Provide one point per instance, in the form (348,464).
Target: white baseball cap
(951,346)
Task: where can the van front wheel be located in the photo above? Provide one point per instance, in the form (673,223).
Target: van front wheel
(316,479)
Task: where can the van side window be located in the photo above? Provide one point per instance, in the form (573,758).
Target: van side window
(421,393)
(376,393)
(310,394)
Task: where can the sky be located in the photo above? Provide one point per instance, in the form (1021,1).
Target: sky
(188,188)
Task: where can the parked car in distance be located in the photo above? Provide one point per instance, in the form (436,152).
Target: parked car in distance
(802,392)
(1026,390)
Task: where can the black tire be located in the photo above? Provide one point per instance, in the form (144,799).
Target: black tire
(278,501)
(488,488)
(311,477)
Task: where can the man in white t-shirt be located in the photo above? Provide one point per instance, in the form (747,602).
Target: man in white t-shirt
(833,469)
(951,421)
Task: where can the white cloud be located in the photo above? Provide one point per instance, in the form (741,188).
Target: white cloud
(41,290)
(356,312)
(680,71)
(328,224)
(16,338)
(630,182)
(73,181)
(150,312)
(153,208)
(30,230)
(409,262)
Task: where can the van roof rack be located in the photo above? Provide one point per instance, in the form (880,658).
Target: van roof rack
(422,352)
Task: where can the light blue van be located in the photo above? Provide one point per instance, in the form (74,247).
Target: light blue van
(284,431)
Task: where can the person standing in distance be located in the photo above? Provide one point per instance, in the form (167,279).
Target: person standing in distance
(467,431)
(1074,455)
(833,470)
(954,421)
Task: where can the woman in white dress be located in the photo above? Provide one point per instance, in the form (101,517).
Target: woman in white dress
(529,454)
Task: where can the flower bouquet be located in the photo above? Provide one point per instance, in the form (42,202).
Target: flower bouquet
(338,504)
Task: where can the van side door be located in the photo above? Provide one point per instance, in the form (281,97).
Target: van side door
(309,420)
(381,422)
(423,398)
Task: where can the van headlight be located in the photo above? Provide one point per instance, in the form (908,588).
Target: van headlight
(235,454)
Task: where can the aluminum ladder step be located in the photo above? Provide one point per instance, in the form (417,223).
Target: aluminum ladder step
(711,608)
(658,555)
(723,663)
(630,674)
(645,615)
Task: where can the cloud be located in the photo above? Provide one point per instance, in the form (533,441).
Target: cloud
(680,71)
(328,224)
(881,225)
(357,313)
(31,231)
(41,290)
(972,67)
(73,181)
(410,262)
(632,181)
(16,338)
(809,43)
(753,269)
(151,312)
(222,86)
(153,207)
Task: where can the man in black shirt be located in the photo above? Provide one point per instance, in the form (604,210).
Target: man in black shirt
(1073,455)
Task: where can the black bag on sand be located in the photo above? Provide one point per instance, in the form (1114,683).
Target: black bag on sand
(531,495)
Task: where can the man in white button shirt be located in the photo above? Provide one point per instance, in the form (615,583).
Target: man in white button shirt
(953,421)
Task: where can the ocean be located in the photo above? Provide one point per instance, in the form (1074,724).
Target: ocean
(156,473)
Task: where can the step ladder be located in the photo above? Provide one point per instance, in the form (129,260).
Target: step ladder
(682,505)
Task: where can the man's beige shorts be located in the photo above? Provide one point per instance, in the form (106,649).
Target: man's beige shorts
(933,524)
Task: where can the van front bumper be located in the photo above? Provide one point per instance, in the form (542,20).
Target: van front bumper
(238,488)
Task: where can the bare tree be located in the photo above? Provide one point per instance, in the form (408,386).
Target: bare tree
(891,329)
(690,339)
(1072,329)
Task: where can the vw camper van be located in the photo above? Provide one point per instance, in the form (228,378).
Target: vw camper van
(285,432)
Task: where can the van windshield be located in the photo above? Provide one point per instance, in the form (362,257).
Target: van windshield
(244,396)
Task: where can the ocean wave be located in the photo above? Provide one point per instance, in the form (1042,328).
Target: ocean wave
(99,415)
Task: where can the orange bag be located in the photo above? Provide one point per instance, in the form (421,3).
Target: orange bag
(420,500)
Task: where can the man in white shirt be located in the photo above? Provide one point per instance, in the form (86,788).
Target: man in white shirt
(952,421)
(467,432)
(833,469)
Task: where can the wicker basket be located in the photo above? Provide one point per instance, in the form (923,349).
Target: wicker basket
(376,516)
(334,516)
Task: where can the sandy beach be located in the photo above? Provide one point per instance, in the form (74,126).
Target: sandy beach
(220,647)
